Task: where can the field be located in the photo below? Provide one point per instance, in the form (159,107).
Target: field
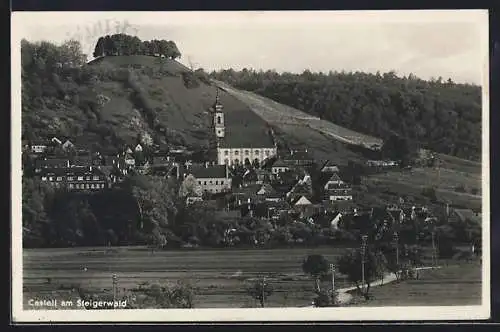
(444,180)
(219,276)
(449,285)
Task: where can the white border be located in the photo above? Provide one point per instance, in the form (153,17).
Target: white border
(250,315)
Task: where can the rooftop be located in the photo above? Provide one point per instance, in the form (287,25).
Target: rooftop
(243,128)
(210,172)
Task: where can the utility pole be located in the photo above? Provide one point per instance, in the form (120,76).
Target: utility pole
(433,250)
(396,243)
(364,238)
(332,268)
(114,287)
(263,291)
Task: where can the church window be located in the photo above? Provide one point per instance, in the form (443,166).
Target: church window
(205,183)
(226,153)
(218,120)
(256,151)
(267,152)
(236,152)
(247,152)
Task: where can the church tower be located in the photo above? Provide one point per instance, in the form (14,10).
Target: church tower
(218,118)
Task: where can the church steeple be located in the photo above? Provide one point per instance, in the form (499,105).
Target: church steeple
(218,117)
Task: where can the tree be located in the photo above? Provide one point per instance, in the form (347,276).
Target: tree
(317,267)
(189,187)
(259,290)
(350,265)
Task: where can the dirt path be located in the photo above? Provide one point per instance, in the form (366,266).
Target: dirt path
(345,298)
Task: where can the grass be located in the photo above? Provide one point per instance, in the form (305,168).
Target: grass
(412,182)
(457,284)
(218,276)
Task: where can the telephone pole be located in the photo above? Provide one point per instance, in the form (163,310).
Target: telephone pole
(263,291)
(434,258)
(114,287)
(364,238)
(396,244)
(332,269)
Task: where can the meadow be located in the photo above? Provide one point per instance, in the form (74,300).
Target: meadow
(454,284)
(219,276)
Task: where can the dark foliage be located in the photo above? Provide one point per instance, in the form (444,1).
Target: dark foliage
(441,116)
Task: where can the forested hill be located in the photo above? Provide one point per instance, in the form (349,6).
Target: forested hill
(439,115)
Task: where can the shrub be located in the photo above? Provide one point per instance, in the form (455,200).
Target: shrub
(190,80)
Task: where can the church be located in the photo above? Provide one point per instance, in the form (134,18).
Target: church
(245,139)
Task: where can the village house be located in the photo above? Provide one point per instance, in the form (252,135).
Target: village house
(329,167)
(38,146)
(279,167)
(46,163)
(269,194)
(240,144)
(77,178)
(302,188)
(298,158)
(212,179)
(336,189)
(68,145)
(138,148)
(81,161)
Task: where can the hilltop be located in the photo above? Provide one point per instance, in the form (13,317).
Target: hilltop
(116,100)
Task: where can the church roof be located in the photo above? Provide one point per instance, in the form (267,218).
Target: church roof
(243,128)
(210,172)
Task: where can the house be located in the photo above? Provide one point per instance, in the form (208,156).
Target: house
(344,207)
(302,188)
(50,163)
(67,146)
(269,193)
(298,158)
(213,179)
(240,143)
(334,223)
(329,167)
(38,146)
(249,177)
(56,141)
(129,160)
(263,176)
(336,189)
(279,167)
(81,161)
(77,178)
(193,199)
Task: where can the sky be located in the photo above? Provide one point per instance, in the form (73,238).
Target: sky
(429,44)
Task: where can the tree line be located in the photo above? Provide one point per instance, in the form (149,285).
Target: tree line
(122,44)
(439,115)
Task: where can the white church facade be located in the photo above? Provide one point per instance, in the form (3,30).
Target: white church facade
(237,145)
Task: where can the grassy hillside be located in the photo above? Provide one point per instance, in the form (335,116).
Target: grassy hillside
(456,180)
(438,115)
(112,100)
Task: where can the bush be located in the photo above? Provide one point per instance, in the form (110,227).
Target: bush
(190,80)
(430,192)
